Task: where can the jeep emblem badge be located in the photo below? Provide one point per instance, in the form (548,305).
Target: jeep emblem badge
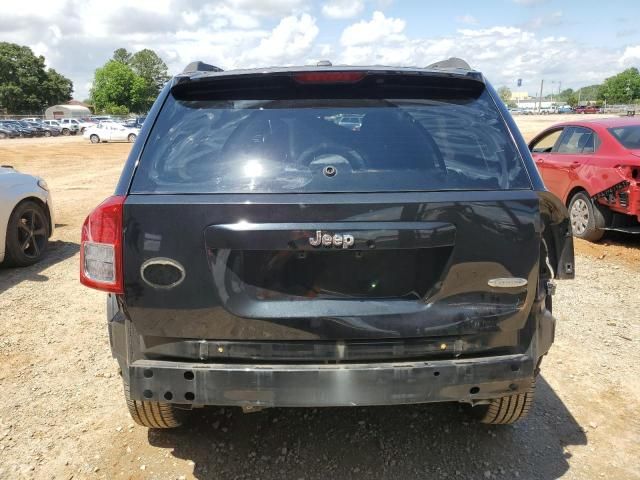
(328,240)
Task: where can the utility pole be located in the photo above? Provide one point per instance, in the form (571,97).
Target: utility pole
(540,97)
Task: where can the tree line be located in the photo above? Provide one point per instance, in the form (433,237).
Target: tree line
(128,82)
(623,88)
(26,85)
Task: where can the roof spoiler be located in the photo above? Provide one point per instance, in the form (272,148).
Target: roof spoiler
(450,63)
(198,66)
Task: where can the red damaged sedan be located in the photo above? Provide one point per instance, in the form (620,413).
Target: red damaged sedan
(594,167)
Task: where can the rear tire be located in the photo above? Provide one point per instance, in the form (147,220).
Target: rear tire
(131,137)
(154,414)
(27,235)
(3,135)
(65,132)
(506,410)
(94,138)
(587,218)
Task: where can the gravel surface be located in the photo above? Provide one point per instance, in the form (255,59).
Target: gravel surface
(62,414)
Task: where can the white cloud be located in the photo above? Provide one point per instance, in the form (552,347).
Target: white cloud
(342,8)
(380,28)
(503,53)
(630,57)
(290,41)
(467,19)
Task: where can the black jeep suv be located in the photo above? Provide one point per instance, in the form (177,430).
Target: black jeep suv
(260,253)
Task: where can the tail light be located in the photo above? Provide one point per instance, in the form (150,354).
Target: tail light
(329,77)
(101,247)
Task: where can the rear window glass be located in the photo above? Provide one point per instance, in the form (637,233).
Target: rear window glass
(325,145)
(628,136)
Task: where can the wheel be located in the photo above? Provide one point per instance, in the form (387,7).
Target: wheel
(65,132)
(27,235)
(131,137)
(587,218)
(3,135)
(505,410)
(47,133)
(154,414)
(94,138)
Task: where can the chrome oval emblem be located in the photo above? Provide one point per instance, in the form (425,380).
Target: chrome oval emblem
(162,273)
(508,282)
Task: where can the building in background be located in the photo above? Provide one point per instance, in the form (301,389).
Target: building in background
(66,111)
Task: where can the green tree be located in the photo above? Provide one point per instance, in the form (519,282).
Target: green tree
(116,110)
(588,93)
(143,94)
(121,55)
(129,81)
(56,88)
(25,85)
(505,94)
(148,65)
(572,100)
(621,88)
(112,86)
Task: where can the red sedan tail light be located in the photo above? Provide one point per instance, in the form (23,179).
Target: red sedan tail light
(101,247)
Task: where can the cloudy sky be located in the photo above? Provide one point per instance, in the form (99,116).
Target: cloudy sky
(575,42)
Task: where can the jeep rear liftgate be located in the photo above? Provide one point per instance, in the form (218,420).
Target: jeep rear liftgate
(417,265)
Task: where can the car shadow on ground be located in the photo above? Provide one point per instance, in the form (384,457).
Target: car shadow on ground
(628,240)
(420,441)
(57,251)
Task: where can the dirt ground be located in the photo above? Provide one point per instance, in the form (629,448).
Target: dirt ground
(62,414)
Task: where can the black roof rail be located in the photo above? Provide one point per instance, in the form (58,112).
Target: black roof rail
(452,62)
(199,66)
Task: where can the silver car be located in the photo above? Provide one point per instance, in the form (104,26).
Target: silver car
(26,217)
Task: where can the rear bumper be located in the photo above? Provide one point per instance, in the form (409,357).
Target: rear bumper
(468,380)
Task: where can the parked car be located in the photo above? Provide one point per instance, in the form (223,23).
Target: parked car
(15,125)
(69,126)
(38,130)
(6,132)
(136,122)
(101,118)
(44,129)
(548,110)
(26,217)
(516,111)
(257,254)
(565,109)
(111,132)
(52,123)
(588,109)
(594,168)
(352,122)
